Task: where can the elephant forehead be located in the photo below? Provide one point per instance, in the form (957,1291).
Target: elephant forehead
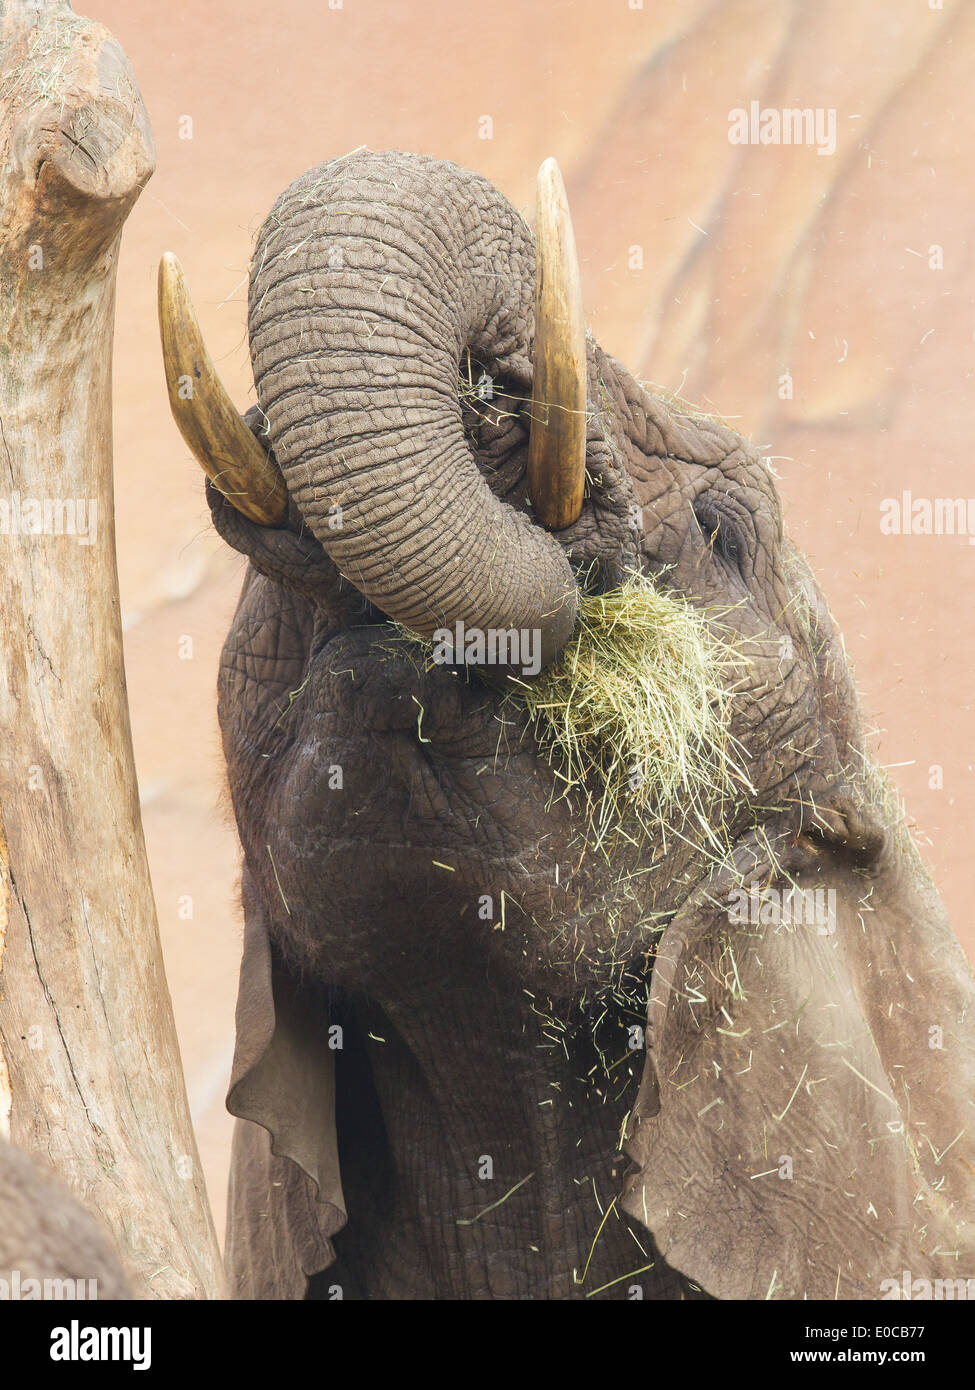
(394,236)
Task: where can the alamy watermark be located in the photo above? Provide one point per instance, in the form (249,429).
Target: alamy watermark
(908,515)
(493,646)
(767,125)
(757,905)
(49,516)
(924,1290)
(78,1343)
(20,1288)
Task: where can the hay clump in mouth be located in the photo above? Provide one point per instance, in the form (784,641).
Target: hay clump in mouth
(634,714)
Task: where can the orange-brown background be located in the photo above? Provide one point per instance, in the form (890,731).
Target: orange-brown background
(756,261)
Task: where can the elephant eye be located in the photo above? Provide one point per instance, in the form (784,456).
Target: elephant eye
(720,529)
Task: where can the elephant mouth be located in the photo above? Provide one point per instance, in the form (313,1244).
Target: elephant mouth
(376,680)
(631,723)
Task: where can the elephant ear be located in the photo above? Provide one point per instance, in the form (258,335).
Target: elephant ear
(285,1199)
(806,1118)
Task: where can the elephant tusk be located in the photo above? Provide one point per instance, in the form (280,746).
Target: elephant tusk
(557,443)
(227,451)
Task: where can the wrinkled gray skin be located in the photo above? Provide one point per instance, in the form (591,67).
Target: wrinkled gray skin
(372,278)
(46,1234)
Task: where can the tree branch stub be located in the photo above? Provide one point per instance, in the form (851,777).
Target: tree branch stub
(85,1019)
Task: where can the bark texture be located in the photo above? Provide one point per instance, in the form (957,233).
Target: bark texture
(86,1024)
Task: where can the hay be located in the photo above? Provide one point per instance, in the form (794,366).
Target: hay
(45,72)
(634,719)
(634,715)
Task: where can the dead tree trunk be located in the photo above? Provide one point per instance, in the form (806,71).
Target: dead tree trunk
(86,1024)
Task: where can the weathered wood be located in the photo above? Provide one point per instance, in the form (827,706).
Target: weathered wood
(85,1018)
(6,1100)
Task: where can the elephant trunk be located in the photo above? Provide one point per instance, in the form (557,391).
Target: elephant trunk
(371,279)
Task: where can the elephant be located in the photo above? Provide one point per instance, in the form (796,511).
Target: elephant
(50,1246)
(479,1056)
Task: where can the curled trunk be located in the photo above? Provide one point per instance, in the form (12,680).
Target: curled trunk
(372,277)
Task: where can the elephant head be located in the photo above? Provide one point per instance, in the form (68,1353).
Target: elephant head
(435,443)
